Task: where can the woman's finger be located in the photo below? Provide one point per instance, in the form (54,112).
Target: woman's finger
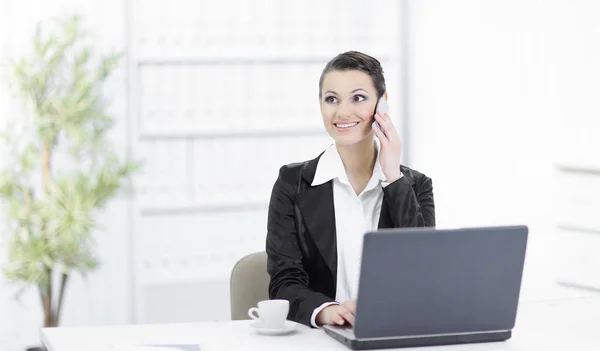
(347,315)
(379,134)
(350,305)
(388,126)
(338,319)
(385,124)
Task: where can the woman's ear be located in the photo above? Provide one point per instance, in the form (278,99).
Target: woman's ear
(385,95)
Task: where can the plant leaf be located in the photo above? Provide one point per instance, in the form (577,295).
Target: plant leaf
(60,85)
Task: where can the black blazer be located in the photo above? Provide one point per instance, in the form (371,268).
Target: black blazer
(301,233)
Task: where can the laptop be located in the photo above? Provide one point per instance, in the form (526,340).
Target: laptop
(426,287)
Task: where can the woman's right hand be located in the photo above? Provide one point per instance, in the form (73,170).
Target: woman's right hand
(337,314)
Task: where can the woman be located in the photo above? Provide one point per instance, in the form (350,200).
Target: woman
(320,209)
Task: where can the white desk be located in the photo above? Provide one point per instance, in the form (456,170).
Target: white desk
(572,324)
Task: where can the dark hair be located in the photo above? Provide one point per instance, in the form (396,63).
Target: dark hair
(354,60)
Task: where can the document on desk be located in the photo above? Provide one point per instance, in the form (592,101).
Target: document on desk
(157,347)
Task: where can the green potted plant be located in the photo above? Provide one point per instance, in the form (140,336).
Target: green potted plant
(62,169)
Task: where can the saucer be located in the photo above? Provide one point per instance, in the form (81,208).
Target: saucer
(288,327)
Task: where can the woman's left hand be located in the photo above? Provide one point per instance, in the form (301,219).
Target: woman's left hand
(391,147)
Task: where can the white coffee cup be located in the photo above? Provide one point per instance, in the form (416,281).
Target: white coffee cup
(271,313)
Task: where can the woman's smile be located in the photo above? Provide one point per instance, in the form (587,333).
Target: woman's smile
(345,126)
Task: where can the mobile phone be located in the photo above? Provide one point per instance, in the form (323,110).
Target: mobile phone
(382,107)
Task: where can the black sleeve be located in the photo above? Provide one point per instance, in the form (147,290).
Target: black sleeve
(289,280)
(408,207)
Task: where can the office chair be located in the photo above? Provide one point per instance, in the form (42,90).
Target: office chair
(249,284)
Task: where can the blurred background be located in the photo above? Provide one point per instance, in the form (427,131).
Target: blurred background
(496,101)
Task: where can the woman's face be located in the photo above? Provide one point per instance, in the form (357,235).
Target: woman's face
(348,102)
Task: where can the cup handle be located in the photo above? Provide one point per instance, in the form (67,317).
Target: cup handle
(251,313)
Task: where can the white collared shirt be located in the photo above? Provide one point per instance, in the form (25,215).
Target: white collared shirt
(354,216)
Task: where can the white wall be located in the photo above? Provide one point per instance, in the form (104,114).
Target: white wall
(490,85)
(482,114)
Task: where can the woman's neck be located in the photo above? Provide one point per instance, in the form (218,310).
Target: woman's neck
(359,158)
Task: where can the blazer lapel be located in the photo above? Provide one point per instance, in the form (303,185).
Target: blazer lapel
(316,205)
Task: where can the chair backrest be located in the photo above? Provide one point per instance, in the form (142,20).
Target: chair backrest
(249,284)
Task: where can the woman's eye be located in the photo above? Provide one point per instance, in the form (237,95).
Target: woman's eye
(358,98)
(330,99)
